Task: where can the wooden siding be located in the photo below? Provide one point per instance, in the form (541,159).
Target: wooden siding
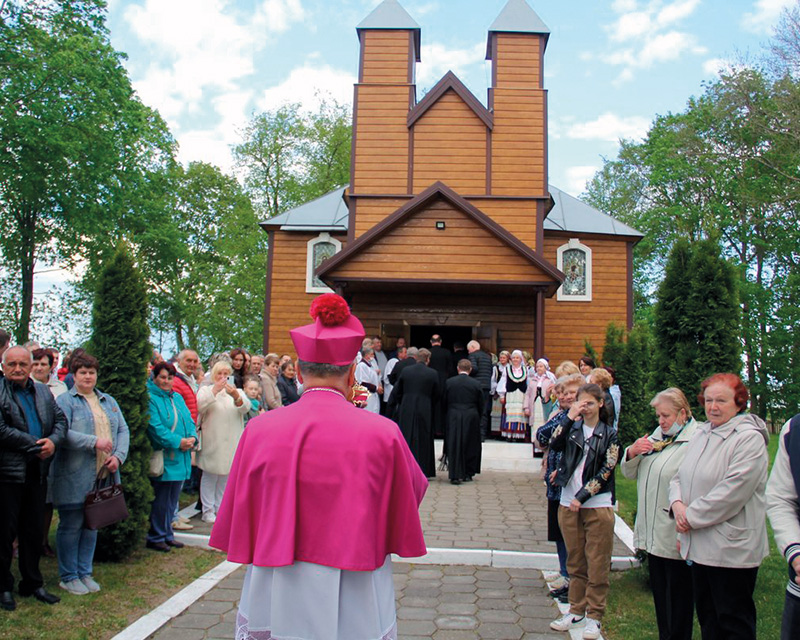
(371,211)
(450,145)
(386,55)
(517,216)
(518,143)
(381,149)
(568,324)
(518,60)
(514,318)
(415,249)
(290,302)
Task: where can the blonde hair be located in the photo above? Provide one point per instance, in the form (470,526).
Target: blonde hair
(573,379)
(219,366)
(601,377)
(566,368)
(675,398)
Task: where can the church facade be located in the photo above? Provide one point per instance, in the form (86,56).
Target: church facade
(449,224)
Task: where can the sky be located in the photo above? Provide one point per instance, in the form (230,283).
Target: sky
(611,66)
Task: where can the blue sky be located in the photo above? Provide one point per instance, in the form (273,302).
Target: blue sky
(611,65)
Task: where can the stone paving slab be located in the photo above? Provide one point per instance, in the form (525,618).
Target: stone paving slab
(499,510)
(433,602)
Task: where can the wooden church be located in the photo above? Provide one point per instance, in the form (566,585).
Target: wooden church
(449,224)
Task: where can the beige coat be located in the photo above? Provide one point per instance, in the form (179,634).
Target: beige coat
(722,481)
(271,394)
(654,530)
(221,426)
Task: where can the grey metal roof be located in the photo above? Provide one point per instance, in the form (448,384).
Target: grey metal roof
(573,215)
(326,213)
(390,14)
(330,213)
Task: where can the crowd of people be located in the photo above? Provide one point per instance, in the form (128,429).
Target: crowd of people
(703,490)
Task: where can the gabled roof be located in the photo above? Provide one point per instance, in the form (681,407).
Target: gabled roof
(516,17)
(439,190)
(326,213)
(573,215)
(389,14)
(450,81)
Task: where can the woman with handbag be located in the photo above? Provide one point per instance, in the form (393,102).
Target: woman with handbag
(97,441)
(172,433)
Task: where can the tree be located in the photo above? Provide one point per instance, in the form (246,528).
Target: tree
(590,352)
(614,347)
(289,156)
(635,416)
(78,148)
(121,343)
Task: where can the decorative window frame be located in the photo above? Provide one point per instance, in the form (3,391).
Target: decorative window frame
(322,237)
(575,243)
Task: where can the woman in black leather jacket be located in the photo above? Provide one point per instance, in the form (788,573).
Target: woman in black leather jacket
(585,515)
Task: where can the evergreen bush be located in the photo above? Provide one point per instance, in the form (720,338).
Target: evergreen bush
(121,343)
(614,347)
(633,373)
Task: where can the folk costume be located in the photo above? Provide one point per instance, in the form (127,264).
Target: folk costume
(320,494)
(416,393)
(538,398)
(512,386)
(464,401)
(498,411)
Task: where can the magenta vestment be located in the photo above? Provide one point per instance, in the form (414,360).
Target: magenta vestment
(324,482)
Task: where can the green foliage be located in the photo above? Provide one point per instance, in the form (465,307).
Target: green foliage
(696,320)
(614,347)
(591,352)
(636,415)
(120,342)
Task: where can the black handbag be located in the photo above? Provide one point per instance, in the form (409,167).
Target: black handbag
(104,506)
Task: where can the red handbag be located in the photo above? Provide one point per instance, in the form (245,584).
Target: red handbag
(104,506)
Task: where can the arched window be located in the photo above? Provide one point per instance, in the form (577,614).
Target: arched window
(575,260)
(319,249)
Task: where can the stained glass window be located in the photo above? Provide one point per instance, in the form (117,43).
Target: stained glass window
(574,261)
(322,251)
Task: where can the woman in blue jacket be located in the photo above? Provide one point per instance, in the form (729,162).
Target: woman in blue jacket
(97,440)
(172,432)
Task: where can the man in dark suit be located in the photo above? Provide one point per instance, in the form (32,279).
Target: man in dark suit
(482,371)
(464,400)
(442,364)
(415,394)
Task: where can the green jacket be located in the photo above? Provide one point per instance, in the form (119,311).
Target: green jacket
(163,406)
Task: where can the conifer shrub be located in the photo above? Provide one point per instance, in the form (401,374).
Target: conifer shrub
(121,343)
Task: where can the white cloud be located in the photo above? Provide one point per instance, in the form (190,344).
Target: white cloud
(631,25)
(438,59)
(578,177)
(610,127)
(307,84)
(765,15)
(713,66)
(676,11)
(623,5)
(668,46)
(206,146)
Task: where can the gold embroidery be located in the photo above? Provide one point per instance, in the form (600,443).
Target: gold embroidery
(593,487)
(612,455)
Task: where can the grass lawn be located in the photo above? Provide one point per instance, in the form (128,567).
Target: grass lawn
(129,590)
(630,604)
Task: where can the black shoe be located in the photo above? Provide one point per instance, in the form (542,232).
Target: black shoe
(41,595)
(175,544)
(468,479)
(557,593)
(7,601)
(158,546)
(455,482)
(563,599)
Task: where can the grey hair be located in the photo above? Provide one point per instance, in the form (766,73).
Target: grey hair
(323,369)
(412,352)
(18,346)
(423,355)
(366,351)
(219,357)
(474,344)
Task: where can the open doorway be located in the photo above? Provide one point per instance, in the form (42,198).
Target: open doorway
(421,335)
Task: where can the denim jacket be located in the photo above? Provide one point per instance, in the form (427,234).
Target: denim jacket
(74,468)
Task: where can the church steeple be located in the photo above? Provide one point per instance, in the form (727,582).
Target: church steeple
(391,15)
(517,17)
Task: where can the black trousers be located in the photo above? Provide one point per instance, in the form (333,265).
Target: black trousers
(22,516)
(724,601)
(790,625)
(487,411)
(671,581)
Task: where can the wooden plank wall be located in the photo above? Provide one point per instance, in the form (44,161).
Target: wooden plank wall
(518,59)
(415,249)
(371,211)
(386,55)
(567,324)
(517,216)
(450,145)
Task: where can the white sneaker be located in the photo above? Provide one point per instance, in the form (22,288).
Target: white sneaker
(592,630)
(566,622)
(180,525)
(75,587)
(184,520)
(90,584)
(549,576)
(209,517)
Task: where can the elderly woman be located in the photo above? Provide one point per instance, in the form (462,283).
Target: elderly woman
(171,431)
(511,389)
(717,498)
(497,414)
(287,384)
(221,408)
(538,399)
(97,442)
(653,460)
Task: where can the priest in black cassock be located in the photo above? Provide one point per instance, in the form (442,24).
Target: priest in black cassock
(442,363)
(415,394)
(464,401)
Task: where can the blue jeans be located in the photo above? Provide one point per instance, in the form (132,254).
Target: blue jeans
(561,548)
(75,544)
(162,510)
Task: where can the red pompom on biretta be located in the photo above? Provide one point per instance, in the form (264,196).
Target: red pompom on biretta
(330,309)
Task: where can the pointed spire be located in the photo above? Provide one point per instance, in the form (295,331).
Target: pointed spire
(517,17)
(390,14)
